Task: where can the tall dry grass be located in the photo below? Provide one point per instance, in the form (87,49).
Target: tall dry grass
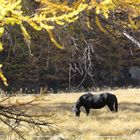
(100,124)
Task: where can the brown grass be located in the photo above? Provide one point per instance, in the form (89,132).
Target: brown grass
(100,124)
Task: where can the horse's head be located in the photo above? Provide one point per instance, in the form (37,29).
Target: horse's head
(76,110)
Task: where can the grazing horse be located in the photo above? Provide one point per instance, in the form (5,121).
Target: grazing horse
(98,101)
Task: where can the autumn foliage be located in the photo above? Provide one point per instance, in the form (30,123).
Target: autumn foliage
(50,14)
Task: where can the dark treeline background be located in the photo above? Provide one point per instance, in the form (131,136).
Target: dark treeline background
(90,58)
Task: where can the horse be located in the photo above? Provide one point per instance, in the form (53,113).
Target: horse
(91,101)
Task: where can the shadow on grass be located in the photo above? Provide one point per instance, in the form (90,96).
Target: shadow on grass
(133,107)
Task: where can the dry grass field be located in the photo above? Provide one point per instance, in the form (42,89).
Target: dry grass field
(99,125)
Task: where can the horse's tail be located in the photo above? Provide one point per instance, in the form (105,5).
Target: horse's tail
(116,104)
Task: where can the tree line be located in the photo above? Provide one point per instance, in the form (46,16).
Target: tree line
(95,51)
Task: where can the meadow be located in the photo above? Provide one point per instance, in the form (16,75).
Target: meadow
(99,125)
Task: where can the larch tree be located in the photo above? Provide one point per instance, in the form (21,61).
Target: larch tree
(50,13)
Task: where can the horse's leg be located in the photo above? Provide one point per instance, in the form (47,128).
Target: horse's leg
(87,110)
(116,106)
(110,106)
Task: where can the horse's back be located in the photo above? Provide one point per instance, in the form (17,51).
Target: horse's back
(110,98)
(110,95)
(93,101)
(89,96)
(99,100)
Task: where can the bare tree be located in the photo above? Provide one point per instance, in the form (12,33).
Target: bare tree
(19,116)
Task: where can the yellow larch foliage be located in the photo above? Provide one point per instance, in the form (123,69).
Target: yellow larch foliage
(51,13)
(99,24)
(3,77)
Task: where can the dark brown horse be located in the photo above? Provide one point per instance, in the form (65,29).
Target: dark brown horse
(91,101)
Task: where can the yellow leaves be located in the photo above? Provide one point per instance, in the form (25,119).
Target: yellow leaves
(61,7)
(56,43)
(25,33)
(97,10)
(89,24)
(65,14)
(45,26)
(1,31)
(10,12)
(61,14)
(72,20)
(105,7)
(39,22)
(1,47)
(132,2)
(59,22)
(107,2)
(3,77)
(80,8)
(133,24)
(34,25)
(6,6)
(11,21)
(15,4)
(99,24)
(3,12)
(53,40)
(132,7)
(105,13)
(50,14)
